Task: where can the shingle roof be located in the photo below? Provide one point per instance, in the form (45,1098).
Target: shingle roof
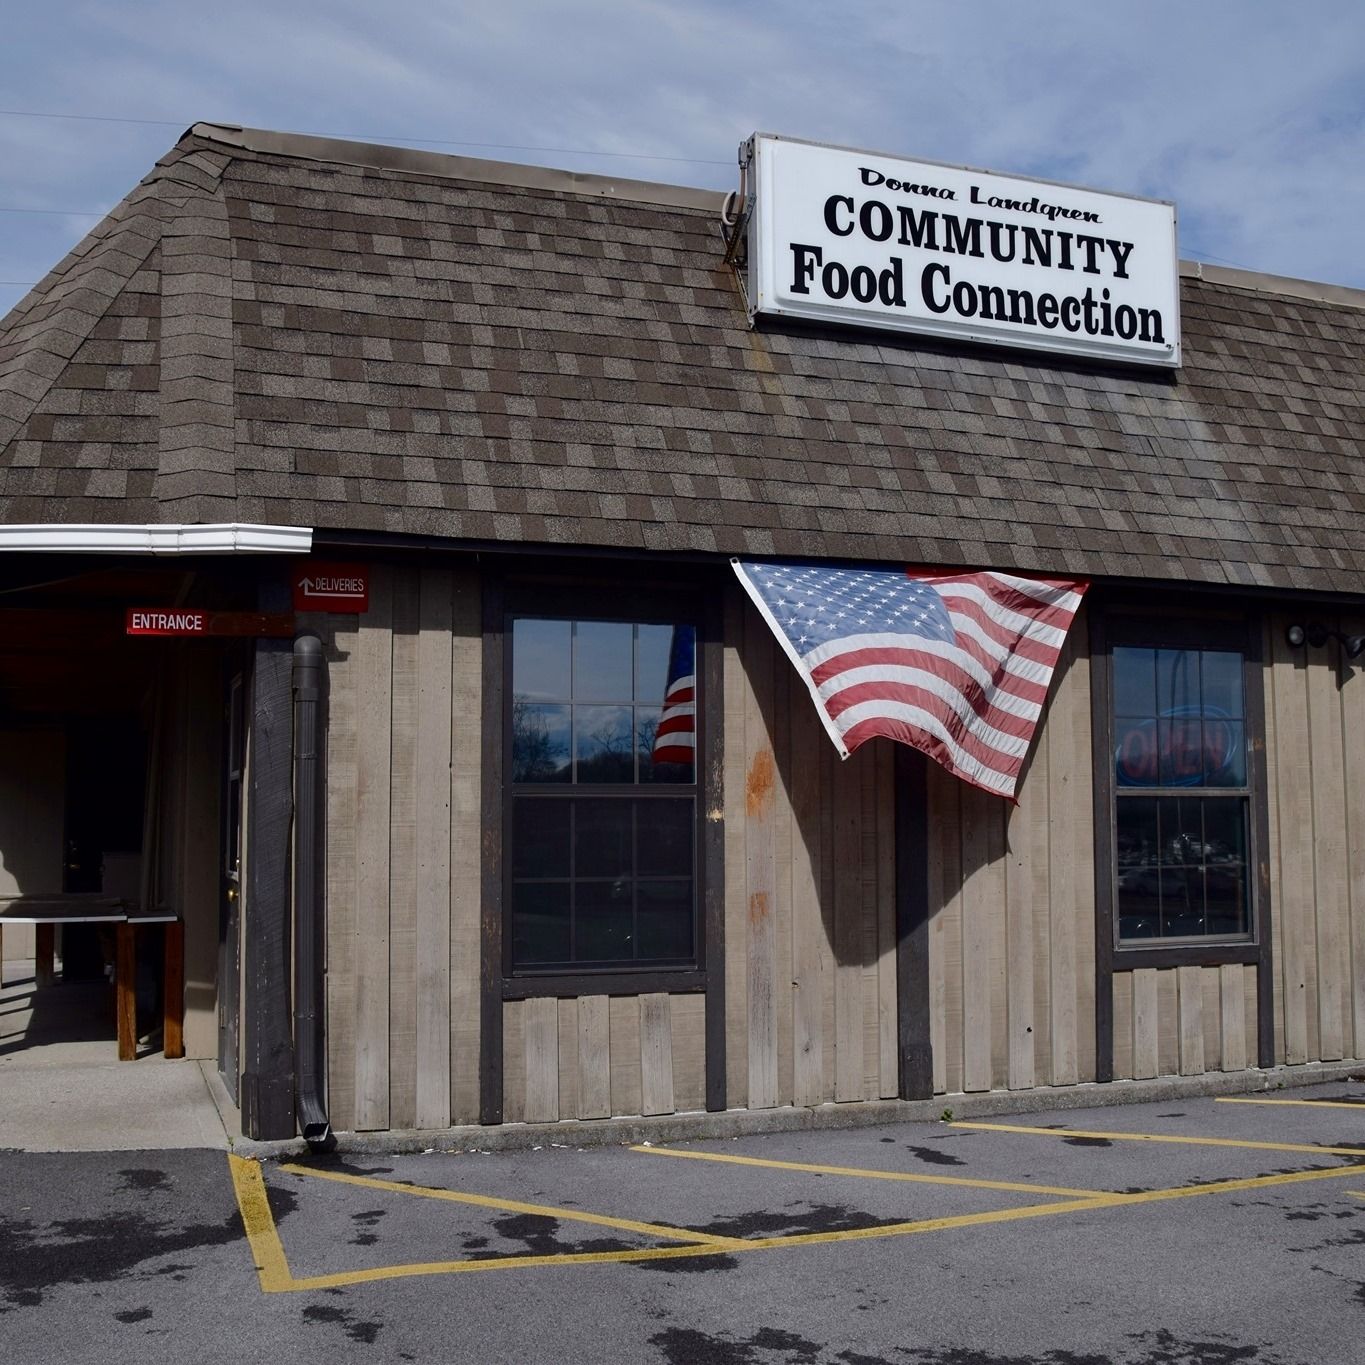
(282,329)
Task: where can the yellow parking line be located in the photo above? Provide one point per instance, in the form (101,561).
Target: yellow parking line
(517,1206)
(1163,1137)
(261,1234)
(864,1174)
(1307,1104)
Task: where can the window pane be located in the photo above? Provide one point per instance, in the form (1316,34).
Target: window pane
(652,646)
(1226,878)
(1134,682)
(1136,758)
(1182,870)
(666,920)
(604,921)
(1177,681)
(1222,688)
(602,736)
(540,660)
(664,838)
(671,746)
(1180,742)
(540,743)
(540,837)
(1225,753)
(1139,872)
(540,922)
(602,838)
(602,661)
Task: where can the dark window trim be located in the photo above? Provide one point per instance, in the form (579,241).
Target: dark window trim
(662,606)
(702,593)
(1199,626)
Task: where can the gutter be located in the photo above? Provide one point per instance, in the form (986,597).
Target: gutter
(309,920)
(233,537)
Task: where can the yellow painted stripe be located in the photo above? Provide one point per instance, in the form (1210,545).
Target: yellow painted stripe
(1163,1137)
(266,1248)
(517,1206)
(864,1174)
(1306,1104)
(1255,1182)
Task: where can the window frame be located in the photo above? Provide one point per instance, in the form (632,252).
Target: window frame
(597,600)
(1192,628)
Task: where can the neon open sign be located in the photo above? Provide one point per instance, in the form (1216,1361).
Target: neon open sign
(1186,746)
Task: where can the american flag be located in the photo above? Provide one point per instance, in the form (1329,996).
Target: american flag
(675,740)
(954,664)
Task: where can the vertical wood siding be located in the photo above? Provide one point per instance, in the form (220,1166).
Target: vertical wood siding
(1012,938)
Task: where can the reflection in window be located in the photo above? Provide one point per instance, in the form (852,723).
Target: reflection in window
(602,856)
(1181,800)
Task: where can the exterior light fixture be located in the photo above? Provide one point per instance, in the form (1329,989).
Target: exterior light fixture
(1316,635)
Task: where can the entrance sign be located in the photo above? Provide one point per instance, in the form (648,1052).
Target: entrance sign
(332,587)
(876,241)
(187,621)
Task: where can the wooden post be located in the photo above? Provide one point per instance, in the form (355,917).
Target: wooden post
(912,926)
(45,952)
(125,990)
(268,1075)
(173,991)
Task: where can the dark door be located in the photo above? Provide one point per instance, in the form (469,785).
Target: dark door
(230,904)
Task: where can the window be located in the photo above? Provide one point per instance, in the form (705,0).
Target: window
(601,829)
(1181,789)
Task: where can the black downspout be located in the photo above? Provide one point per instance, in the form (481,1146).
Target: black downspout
(308,921)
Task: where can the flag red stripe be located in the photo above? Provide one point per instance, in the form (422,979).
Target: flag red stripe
(935,664)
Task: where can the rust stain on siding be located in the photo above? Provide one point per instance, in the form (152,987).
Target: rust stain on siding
(758,787)
(758,908)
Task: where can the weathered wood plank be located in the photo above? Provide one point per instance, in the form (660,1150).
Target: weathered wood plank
(1291,846)
(466,730)
(848,935)
(993,876)
(780,726)
(1211,1011)
(760,801)
(976,941)
(736,890)
(403,752)
(1065,772)
(374,722)
(1022,825)
(938,894)
(568,1059)
(1039,844)
(594,1057)
(542,1059)
(866,759)
(888,1045)
(688,1033)
(1146,1029)
(809,946)
(341,871)
(625,1054)
(656,1055)
(946,792)
(1190,987)
(1327,793)
(1232,993)
(1353,729)
(1080,821)
(431,939)
(1167,1024)
(1250,988)
(1272,853)
(1123,1026)
(514,1061)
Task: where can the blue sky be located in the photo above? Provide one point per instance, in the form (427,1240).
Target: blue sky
(1251,116)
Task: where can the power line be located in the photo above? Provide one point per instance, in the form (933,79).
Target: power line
(378,137)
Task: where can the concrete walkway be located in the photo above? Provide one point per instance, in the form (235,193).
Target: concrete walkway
(63,1089)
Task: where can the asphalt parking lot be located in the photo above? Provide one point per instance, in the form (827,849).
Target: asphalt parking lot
(1199,1230)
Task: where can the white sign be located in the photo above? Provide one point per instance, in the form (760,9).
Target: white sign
(876,241)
